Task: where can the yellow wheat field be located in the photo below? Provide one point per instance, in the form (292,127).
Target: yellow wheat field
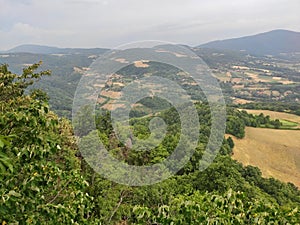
(275,152)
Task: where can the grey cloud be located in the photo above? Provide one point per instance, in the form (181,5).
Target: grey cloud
(107,23)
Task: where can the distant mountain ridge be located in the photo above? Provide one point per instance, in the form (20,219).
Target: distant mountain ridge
(40,49)
(268,43)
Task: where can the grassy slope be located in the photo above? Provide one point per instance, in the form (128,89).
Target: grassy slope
(275,152)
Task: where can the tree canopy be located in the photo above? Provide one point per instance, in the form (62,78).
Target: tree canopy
(45,181)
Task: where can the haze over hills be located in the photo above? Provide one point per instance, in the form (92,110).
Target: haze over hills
(42,147)
(245,76)
(40,49)
(268,43)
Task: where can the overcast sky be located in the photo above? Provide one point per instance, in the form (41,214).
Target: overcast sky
(109,23)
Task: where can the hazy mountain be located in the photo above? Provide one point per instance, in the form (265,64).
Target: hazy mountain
(40,49)
(269,43)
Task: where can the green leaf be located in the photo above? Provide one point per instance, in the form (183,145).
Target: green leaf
(5,162)
(4,140)
(15,194)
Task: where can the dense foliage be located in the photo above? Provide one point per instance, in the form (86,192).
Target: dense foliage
(41,181)
(44,180)
(226,192)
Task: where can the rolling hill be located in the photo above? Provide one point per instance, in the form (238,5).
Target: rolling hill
(40,49)
(268,43)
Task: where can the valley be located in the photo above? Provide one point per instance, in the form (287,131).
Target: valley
(53,172)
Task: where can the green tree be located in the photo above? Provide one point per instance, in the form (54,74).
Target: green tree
(41,181)
(230,142)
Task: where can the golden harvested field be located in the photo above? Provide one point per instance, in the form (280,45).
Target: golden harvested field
(241,101)
(276,115)
(275,152)
(111,94)
(112,106)
(141,64)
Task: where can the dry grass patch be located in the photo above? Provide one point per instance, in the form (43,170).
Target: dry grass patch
(275,152)
(287,82)
(141,64)
(121,60)
(111,94)
(241,101)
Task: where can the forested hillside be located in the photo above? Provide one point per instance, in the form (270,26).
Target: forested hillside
(273,42)
(45,180)
(66,69)
(244,78)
